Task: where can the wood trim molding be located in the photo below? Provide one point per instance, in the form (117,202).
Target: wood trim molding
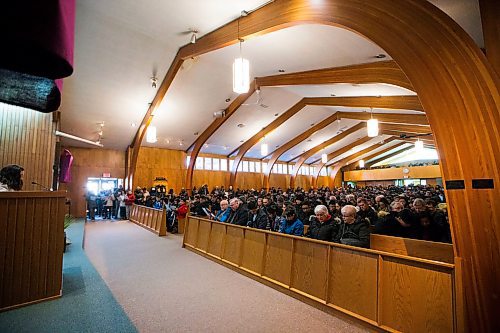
(396,118)
(375,72)
(382,102)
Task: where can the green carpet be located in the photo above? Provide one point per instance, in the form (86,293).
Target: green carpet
(87,304)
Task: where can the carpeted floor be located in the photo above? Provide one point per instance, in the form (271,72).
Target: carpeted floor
(165,288)
(87,304)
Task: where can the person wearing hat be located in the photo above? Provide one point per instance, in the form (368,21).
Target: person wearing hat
(291,225)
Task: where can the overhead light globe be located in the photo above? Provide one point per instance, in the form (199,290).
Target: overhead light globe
(361,163)
(372,128)
(419,146)
(264,149)
(241,75)
(324,158)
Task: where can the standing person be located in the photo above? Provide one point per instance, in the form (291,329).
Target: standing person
(108,205)
(121,212)
(129,201)
(91,204)
(11,178)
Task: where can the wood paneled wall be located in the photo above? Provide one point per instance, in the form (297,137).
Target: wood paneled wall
(380,288)
(422,172)
(91,162)
(27,139)
(31,247)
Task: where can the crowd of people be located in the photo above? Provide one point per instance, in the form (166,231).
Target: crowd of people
(344,215)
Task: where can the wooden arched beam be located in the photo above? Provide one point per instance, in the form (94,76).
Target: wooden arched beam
(259,135)
(334,154)
(403,128)
(381,102)
(396,118)
(375,72)
(319,167)
(459,90)
(371,156)
(368,165)
(210,130)
(292,143)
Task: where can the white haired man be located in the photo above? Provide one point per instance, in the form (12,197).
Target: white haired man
(353,230)
(323,226)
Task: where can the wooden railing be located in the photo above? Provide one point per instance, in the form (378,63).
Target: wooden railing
(386,290)
(31,247)
(151,219)
(413,248)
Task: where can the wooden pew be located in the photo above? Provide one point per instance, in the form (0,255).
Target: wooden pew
(413,247)
(154,220)
(31,247)
(390,291)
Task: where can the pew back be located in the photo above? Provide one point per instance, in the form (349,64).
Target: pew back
(154,220)
(31,247)
(387,290)
(413,248)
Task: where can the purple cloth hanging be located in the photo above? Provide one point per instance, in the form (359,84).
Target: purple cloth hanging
(65,166)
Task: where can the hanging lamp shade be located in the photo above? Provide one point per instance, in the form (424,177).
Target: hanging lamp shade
(372,127)
(324,158)
(419,145)
(361,163)
(264,149)
(151,134)
(241,75)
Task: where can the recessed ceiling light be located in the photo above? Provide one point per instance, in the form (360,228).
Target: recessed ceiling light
(281,70)
(196,133)
(276,114)
(228,100)
(241,125)
(380,56)
(132,124)
(242,140)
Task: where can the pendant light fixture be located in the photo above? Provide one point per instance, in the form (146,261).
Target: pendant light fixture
(419,145)
(324,158)
(151,134)
(241,70)
(264,149)
(372,126)
(361,163)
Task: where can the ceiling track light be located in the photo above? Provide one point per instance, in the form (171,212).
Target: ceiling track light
(194,36)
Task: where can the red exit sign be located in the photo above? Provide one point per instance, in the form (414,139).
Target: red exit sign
(106,175)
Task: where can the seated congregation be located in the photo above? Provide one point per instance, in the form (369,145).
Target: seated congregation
(341,215)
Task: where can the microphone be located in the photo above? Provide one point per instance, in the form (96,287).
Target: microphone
(42,186)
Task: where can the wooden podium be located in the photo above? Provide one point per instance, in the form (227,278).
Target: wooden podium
(31,247)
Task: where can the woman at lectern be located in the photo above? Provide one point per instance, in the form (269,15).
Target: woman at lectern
(11,178)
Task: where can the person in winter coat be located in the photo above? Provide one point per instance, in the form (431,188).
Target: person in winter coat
(291,225)
(128,203)
(239,213)
(257,216)
(354,230)
(323,226)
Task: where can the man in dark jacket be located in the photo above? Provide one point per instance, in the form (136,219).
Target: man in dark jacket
(353,230)
(323,227)
(257,216)
(366,211)
(239,213)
